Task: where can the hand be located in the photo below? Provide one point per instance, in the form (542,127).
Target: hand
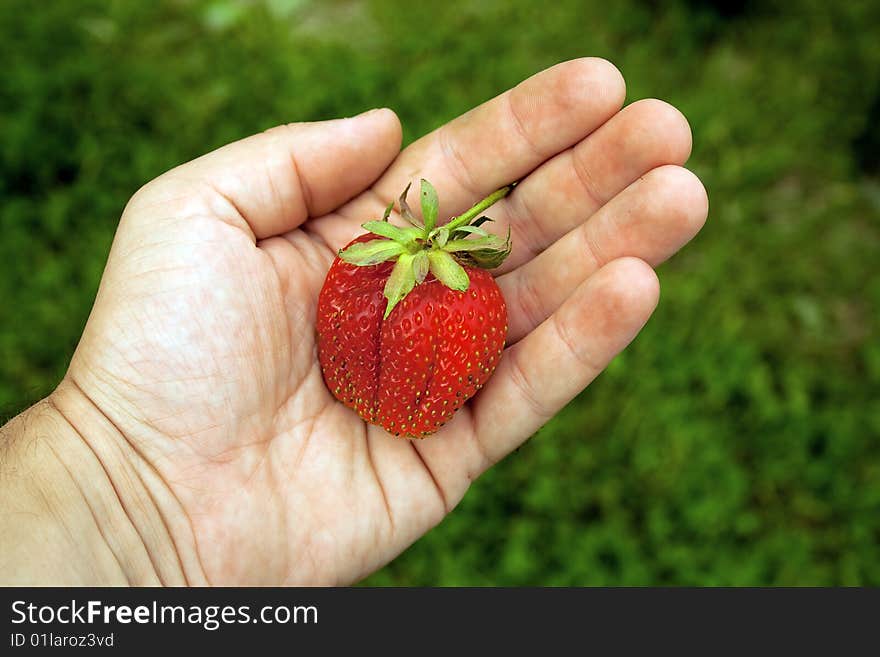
(196,382)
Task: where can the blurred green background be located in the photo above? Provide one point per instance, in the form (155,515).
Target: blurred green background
(736,442)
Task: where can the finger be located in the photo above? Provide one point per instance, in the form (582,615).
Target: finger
(543,372)
(507,137)
(651,220)
(566,190)
(275,180)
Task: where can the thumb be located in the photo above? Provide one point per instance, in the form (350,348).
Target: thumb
(279,178)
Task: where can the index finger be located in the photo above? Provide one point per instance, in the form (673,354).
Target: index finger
(507,137)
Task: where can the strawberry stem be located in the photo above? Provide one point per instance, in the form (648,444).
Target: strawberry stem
(465,217)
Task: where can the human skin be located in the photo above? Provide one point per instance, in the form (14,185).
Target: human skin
(192,439)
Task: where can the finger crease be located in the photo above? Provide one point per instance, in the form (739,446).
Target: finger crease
(236,219)
(591,244)
(304,189)
(520,128)
(517,238)
(586,180)
(520,380)
(588,363)
(485,461)
(529,225)
(458,165)
(319,239)
(430,472)
(529,300)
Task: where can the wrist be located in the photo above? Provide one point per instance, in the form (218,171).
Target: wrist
(79,507)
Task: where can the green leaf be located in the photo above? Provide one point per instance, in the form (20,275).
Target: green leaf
(488,242)
(389,230)
(448,271)
(486,259)
(406,211)
(473,230)
(400,283)
(373,252)
(421,266)
(387,212)
(485,252)
(442,237)
(430,205)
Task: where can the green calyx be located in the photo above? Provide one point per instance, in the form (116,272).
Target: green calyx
(424,247)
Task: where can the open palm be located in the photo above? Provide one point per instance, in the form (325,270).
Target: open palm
(200,349)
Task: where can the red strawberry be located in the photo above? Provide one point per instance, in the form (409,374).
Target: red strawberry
(412,325)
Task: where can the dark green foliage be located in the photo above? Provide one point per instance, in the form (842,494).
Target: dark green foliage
(736,442)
